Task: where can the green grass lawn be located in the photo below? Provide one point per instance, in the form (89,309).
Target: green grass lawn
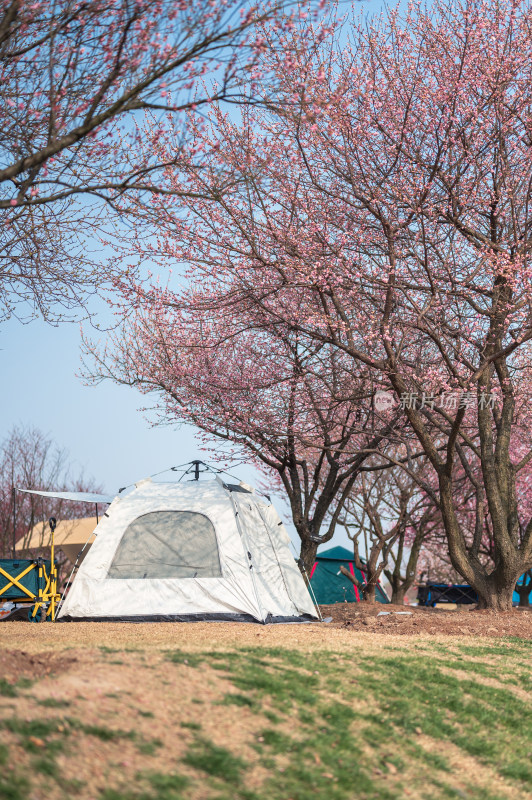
(434,720)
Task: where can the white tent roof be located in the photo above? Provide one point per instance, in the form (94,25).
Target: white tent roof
(199,550)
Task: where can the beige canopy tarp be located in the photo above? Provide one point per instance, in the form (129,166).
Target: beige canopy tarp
(70,536)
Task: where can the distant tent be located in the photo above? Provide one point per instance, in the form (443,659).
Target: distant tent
(70,536)
(201,550)
(330,586)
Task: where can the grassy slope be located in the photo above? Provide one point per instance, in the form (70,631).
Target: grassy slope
(439,720)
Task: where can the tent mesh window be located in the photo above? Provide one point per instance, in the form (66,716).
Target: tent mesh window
(167,544)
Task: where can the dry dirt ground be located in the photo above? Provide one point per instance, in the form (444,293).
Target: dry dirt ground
(346,620)
(167,711)
(449,621)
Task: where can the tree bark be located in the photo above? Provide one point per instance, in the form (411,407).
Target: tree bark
(398,596)
(496,599)
(352,578)
(495,590)
(368,592)
(307,555)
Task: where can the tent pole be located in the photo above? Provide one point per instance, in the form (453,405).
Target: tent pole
(96,506)
(69,580)
(311,590)
(14,492)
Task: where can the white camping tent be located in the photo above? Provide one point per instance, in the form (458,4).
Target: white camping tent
(198,550)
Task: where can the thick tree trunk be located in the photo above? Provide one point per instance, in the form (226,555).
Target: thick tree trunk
(496,599)
(495,589)
(368,592)
(307,555)
(495,592)
(400,585)
(398,596)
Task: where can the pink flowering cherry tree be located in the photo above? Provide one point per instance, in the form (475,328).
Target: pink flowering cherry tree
(381,207)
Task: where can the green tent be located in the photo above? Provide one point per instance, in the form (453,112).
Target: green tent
(330,586)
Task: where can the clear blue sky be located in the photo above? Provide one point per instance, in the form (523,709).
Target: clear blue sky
(101,425)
